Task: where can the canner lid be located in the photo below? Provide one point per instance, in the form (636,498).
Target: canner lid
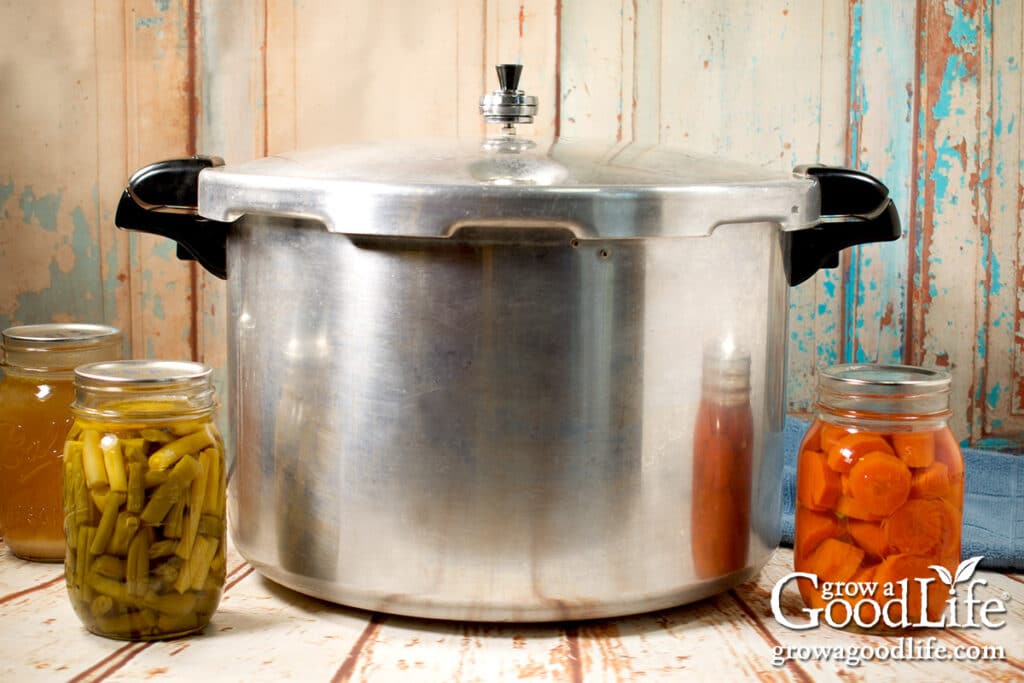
(434,187)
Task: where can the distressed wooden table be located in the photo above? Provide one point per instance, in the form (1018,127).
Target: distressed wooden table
(263,632)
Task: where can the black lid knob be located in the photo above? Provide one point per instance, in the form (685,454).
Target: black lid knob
(508,76)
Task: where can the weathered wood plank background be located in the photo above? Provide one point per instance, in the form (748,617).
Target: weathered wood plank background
(926,95)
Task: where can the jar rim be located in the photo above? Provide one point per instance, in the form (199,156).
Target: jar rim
(884,380)
(151,373)
(58,335)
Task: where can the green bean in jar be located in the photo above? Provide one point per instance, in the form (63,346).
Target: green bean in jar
(144,501)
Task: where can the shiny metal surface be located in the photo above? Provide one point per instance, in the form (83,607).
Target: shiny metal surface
(598,190)
(508,105)
(497,425)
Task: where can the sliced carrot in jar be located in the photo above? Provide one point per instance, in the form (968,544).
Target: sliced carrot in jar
(852,447)
(952,534)
(812,528)
(915,528)
(947,451)
(880,482)
(911,567)
(817,485)
(930,482)
(834,560)
(849,507)
(810,594)
(831,434)
(869,536)
(812,438)
(917,449)
(865,575)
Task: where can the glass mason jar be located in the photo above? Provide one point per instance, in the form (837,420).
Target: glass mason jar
(144,488)
(35,414)
(880,485)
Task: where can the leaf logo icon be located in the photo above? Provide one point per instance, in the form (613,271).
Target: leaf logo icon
(964,571)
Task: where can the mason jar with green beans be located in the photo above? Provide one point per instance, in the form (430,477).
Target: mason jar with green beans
(144,507)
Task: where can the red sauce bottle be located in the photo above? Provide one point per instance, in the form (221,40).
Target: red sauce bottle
(722,461)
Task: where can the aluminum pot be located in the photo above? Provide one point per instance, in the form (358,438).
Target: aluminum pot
(506,379)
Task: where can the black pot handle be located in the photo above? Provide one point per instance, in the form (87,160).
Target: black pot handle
(855,209)
(163,199)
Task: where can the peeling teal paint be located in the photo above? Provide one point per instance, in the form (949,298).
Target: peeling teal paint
(827,353)
(963,30)
(165,249)
(43,209)
(997,126)
(955,72)
(72,293)
(993,396)
(919,203)
(5,193)
(946,155)
(158,307)
(858,99)
(996,275)
(82,240)
(111,284)
(162,5)
(148,22)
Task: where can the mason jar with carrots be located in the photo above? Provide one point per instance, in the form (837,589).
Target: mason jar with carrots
(880,483)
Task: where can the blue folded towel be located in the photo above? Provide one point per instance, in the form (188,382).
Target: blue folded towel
(993,501)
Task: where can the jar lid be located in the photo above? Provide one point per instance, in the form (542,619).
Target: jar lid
(143,372)
(885,379)
(889,389)
(150,389)
(59,346)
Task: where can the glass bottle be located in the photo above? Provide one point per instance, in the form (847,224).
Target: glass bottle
(35,414)
(880,485)
(144,499)
(722,461)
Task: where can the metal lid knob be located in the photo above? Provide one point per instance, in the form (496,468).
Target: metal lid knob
(508,105)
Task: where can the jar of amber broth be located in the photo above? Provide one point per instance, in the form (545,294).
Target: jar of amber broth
(35,400)
(144,499)
(880,485)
